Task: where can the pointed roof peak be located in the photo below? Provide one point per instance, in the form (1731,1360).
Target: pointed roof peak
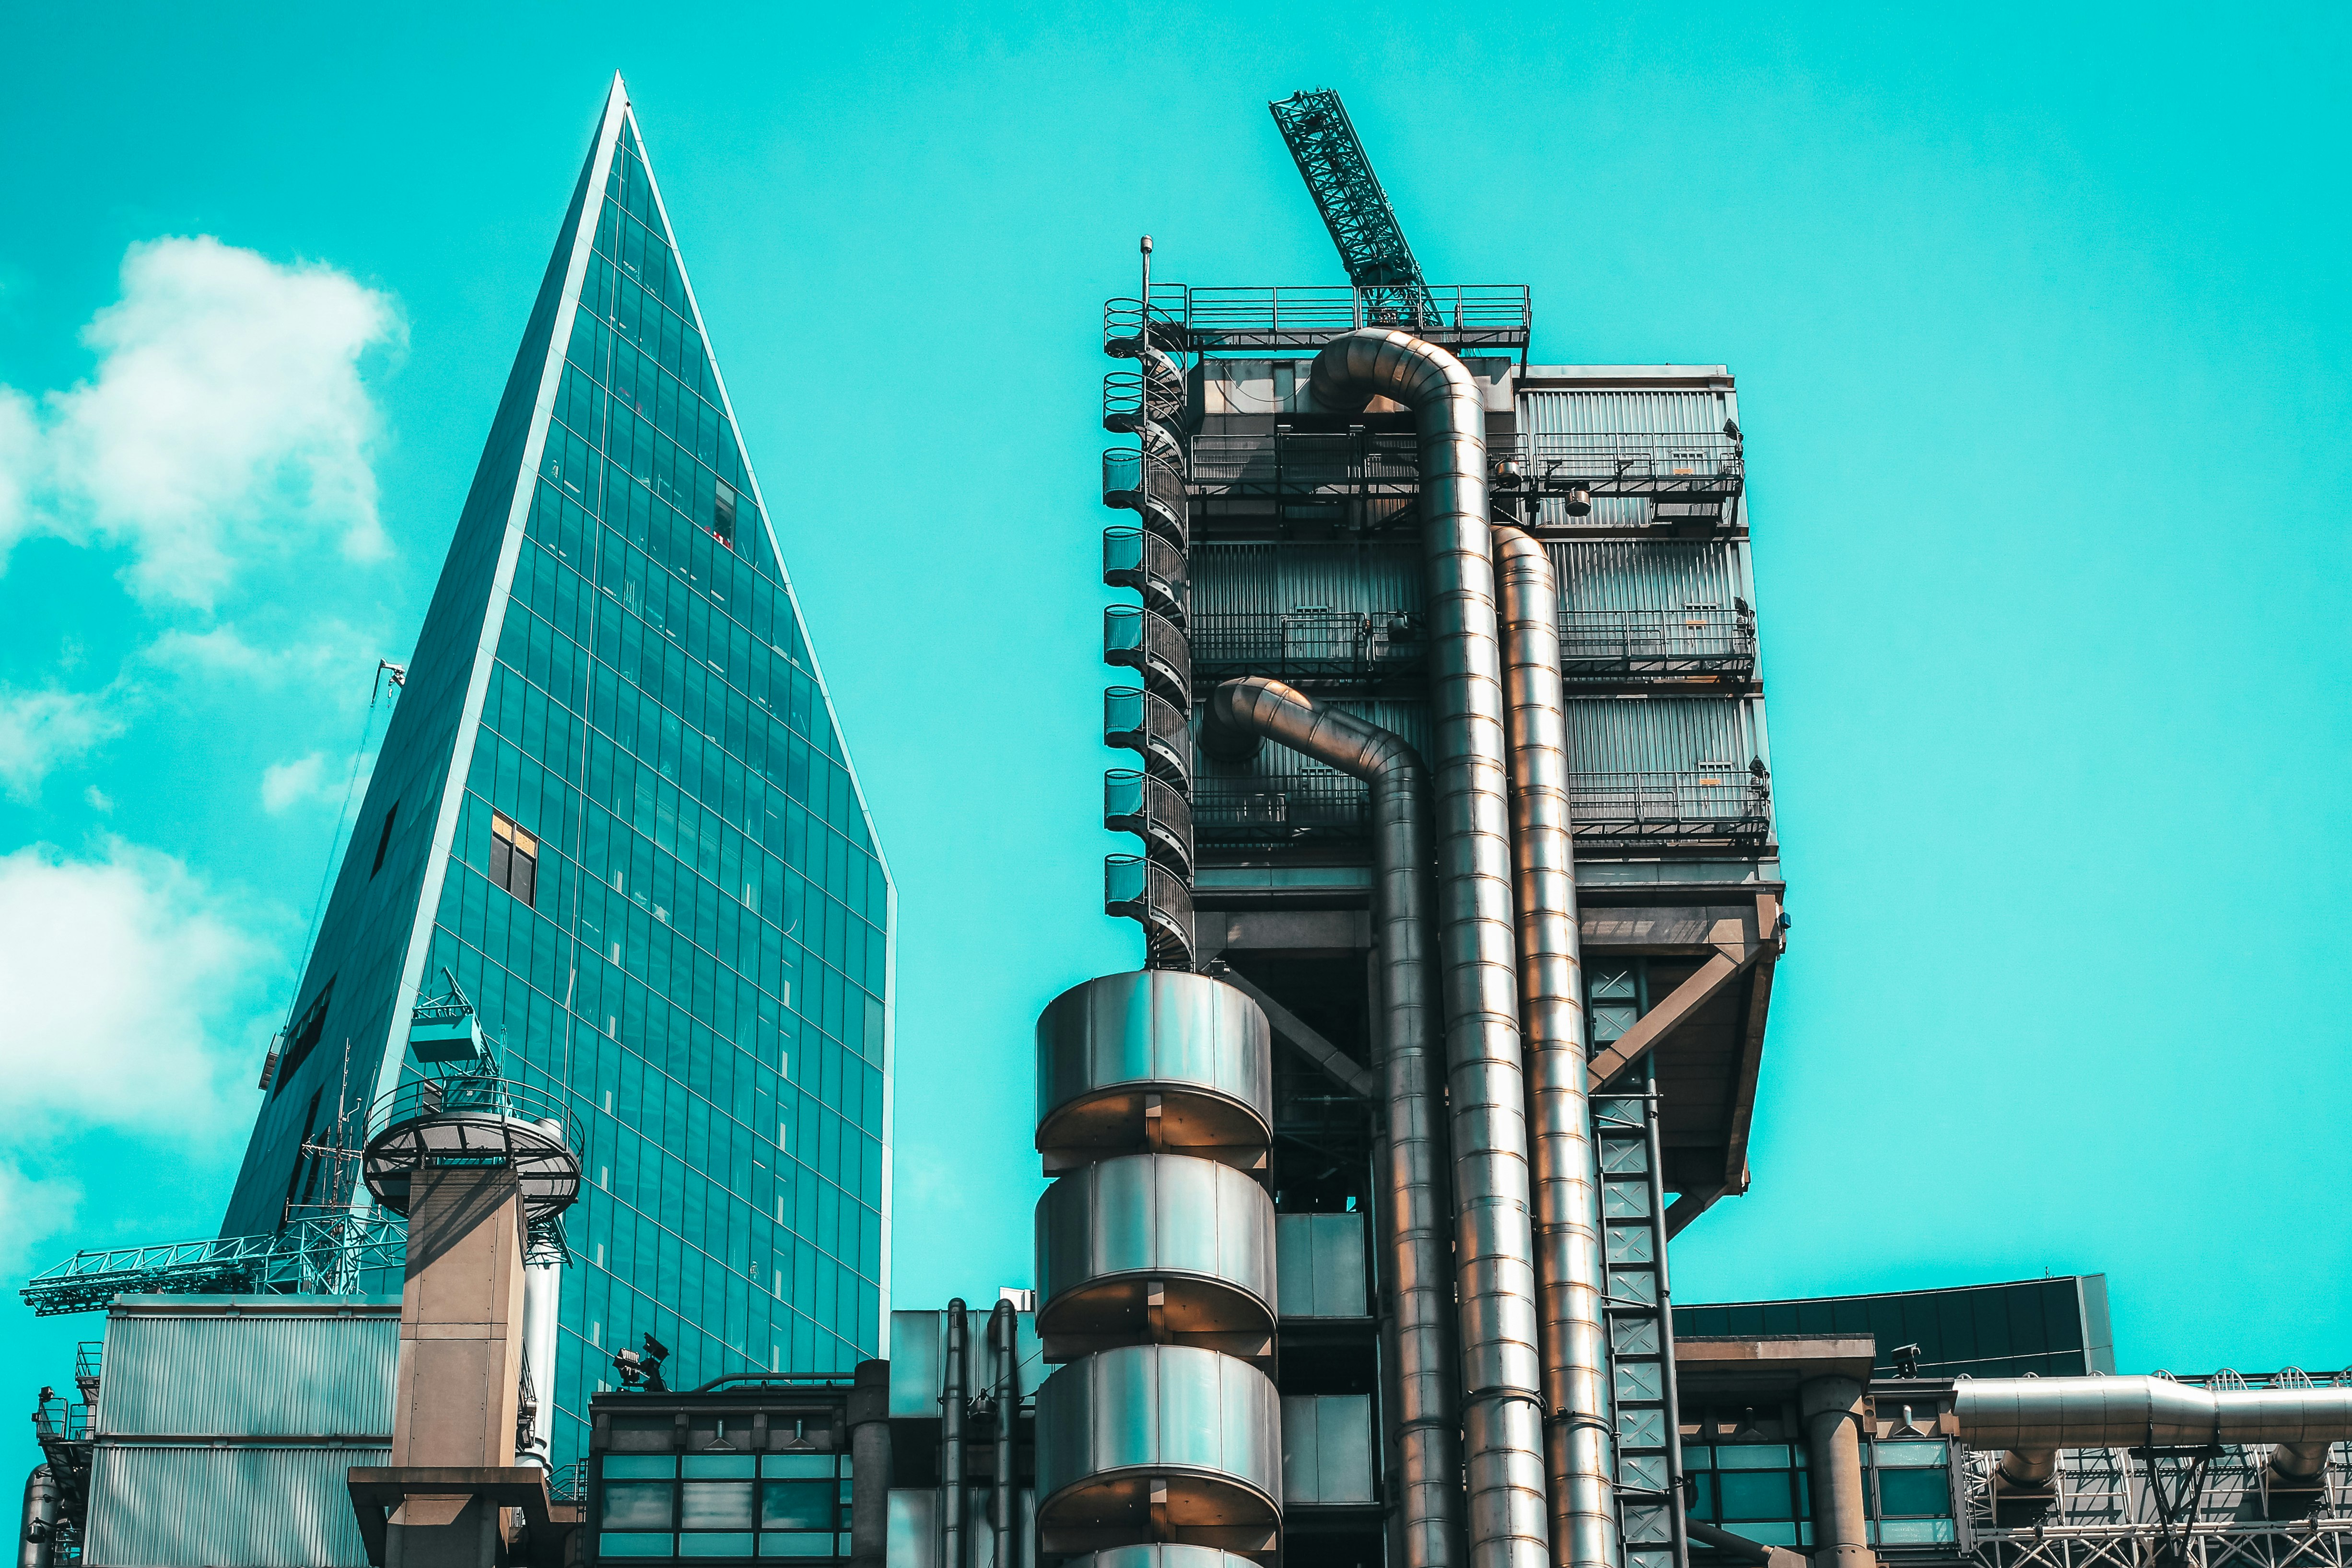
(617,102)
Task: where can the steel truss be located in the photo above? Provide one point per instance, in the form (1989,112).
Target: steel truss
(2118,1509)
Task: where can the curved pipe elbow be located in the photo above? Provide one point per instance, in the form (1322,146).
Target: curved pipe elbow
(1243,713)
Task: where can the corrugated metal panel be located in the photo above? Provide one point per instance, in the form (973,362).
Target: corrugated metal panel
(1680,411)
(1319,1265)
(1661,734)
(1326,1447)
(1619,411)
(225,1507)
(221,1367)
(1646,575)
(1268,579)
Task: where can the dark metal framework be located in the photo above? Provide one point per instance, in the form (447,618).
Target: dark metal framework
(1331,159)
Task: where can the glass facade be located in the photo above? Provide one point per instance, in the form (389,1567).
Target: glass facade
(722,1505)
(1764,1491)
(2027,1328)
(621,816)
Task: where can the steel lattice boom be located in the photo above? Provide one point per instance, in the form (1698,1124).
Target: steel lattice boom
(1354,209)
(312,1254)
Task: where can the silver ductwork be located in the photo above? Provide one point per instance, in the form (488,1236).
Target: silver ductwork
(2033,1417)
(1502,1373)
(1237,716)
(1551,1012)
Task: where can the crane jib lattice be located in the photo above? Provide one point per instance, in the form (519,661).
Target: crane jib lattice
(1354,209)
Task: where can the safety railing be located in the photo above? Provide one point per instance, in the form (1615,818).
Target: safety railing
(1731,805)
(1459,315)
(1599,643)
(1305,645)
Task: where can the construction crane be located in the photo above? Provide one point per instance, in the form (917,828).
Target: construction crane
(1354,209)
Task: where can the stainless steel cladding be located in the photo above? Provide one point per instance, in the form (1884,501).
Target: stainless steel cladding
(1162,1247)
(1502,1423)
(2035,1416)
(1414,1204)
(37,1528)
(1153,1060)
(1551,1009)
(1159,1442)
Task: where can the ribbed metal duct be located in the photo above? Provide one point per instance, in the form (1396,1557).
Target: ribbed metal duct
(1414,1207)
(1502,1376)
(1551,1007)
(2033,1417)
(1166,1248)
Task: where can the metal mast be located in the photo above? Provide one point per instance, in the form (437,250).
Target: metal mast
(1354,209)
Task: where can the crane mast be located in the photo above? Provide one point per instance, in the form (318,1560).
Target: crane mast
(1339,177)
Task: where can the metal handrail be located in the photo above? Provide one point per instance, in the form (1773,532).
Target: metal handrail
(1592,641)
(1628,462)
(1661,804)
(1306,642)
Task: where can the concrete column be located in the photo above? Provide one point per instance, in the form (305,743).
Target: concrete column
(869,1464)
(457,1384)
(1832,1408)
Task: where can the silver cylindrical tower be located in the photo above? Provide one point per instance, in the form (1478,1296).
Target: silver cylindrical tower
(1155,1269)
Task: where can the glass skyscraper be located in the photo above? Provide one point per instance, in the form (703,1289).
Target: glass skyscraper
(613,804)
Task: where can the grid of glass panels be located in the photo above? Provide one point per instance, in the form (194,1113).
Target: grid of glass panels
(700,961)
(1764,1491)
(723,1505)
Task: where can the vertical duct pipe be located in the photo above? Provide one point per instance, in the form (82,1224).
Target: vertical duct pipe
(1238,714)
(1551,1010)
(37,1535)
(1004,1350)
(1493,1242)
(869,1464)
(953,1401)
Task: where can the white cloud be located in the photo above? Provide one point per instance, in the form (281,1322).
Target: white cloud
(328,652)
(316,779)
(227,421)
(122,971)
(98,799)
(134,1009)
(41,732)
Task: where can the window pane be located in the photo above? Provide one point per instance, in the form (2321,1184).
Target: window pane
(715,1545)
(1755,1494)
(716,1505)
(796,1505)
(1752,1457)
(635,1505)
(796,1465)
(1913,1492)
(634,1466)
(719,1466)
(1910,1454)
(611,1544)
(1916,1531)
(796,1546)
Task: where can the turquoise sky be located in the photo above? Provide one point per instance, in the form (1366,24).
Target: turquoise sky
(2041,326)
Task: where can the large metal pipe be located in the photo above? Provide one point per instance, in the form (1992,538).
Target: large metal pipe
(1493,1242)
(1552,1013)
(2033,1417)
(1832,1409)
(542,1301)
(953,1402)
(36,1534)
(870,1465)
(1004,1350)
(1237,716)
